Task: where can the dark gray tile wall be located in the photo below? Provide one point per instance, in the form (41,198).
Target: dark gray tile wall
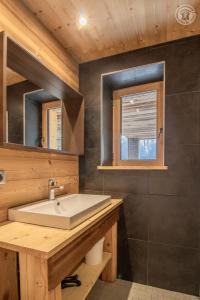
(159,229)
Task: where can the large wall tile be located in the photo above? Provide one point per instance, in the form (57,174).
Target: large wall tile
(181,121)
(119,181)
(123,257)
(90,177)
(174,220)
(182,64)
(136,216)
(165,183)
(174,268)
(92,127)
(138,260)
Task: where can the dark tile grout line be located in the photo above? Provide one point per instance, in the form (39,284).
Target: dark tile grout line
(176,144)
(92,105)
(148,254)
(148,230)
(198,119)
(166,95)
(182,93)
(164,244)
(135,194)
(104,185)
(145,194)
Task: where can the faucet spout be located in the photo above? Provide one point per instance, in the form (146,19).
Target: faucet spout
(52,187)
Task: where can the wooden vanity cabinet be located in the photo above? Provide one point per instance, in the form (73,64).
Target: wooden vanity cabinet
(47,255)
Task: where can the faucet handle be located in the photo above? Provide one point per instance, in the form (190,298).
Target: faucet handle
(51,182)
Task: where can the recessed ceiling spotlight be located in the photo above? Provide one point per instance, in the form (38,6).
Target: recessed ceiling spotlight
(185,14)
(82,21)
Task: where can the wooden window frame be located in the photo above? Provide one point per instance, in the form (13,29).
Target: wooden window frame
(45,107)
(117,94)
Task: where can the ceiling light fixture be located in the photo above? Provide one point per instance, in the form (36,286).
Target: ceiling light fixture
(82,21)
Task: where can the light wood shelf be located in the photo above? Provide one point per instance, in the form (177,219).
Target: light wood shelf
(88,276)
(148,168)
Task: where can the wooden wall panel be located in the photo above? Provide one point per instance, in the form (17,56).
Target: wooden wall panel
(21,24)
(28,173)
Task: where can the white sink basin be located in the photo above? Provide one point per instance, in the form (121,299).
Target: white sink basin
(65,212)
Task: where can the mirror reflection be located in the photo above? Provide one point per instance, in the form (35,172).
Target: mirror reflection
(34,116)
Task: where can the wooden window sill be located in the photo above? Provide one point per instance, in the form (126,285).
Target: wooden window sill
(133,168)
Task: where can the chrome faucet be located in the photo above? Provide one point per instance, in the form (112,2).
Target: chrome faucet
(52,187)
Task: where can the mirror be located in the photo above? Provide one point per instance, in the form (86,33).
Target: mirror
(34,116)
(38,111)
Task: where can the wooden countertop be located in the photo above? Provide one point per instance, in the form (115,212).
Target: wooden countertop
(45,241)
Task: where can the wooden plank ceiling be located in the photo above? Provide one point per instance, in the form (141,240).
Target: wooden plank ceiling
(114,26)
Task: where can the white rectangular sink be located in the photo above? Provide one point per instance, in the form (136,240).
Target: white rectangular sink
(65,212)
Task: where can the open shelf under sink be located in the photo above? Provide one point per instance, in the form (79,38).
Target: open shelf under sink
(88,276)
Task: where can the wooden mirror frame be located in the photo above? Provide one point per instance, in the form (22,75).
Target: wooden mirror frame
(14,56)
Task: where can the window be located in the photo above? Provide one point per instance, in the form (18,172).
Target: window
(138,125)
(54,128)
(52,125)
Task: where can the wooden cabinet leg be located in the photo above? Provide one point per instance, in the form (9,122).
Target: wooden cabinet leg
(55,294)
(34,279)
(110,245)
(8,275)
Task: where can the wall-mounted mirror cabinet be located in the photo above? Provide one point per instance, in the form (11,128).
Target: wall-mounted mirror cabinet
(38,110)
